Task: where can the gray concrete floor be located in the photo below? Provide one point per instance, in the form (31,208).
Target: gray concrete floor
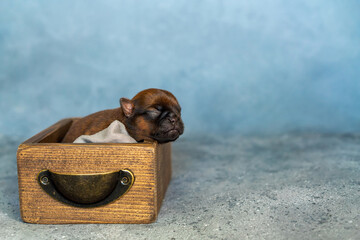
(293,186)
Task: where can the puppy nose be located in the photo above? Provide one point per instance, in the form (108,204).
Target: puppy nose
(172,120)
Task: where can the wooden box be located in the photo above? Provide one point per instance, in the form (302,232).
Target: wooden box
(149,162)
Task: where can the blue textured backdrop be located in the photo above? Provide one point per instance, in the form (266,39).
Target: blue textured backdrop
(235,66)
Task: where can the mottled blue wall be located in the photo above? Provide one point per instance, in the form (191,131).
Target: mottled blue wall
(235,66)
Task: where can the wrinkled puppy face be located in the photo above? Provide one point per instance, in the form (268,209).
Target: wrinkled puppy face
(153,114)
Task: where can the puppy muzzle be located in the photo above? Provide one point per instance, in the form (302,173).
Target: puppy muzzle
(170,131)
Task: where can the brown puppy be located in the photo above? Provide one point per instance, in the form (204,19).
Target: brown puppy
(153,114)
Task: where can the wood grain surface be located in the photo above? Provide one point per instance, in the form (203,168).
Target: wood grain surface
(150,162)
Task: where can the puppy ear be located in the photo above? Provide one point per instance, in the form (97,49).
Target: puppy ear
(127,106)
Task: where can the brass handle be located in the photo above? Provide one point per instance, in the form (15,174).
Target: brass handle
(92,190)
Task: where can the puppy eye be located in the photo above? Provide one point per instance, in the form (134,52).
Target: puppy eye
(158,107)
(153,113)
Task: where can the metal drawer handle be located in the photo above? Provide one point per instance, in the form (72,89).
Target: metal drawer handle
(92,190)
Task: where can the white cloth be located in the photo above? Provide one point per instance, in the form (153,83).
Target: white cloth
(114,133)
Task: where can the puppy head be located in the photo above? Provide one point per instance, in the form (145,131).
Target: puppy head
(153,114)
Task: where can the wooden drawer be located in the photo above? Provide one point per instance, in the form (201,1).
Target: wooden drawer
(149,162)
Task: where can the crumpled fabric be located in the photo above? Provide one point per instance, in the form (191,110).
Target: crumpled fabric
(114,133)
